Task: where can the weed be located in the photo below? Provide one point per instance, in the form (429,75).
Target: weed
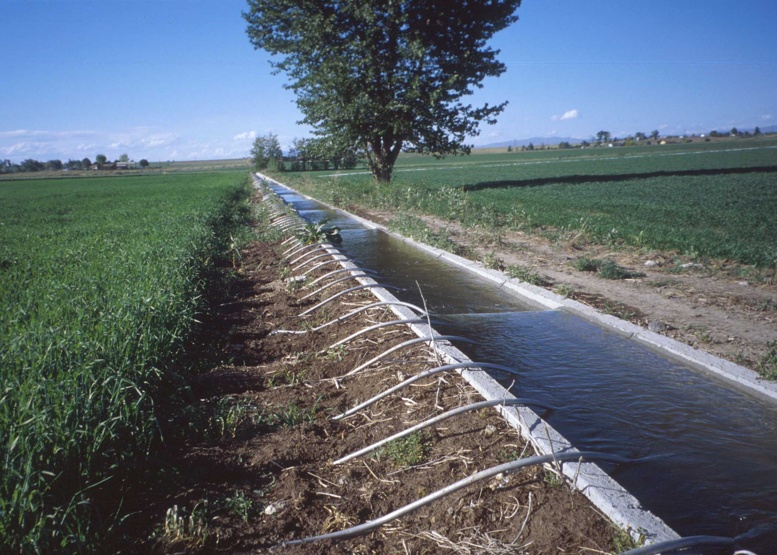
(239,505)
(610,270)
(585,264)
(335,353)
(767,366)
(493,262)
(318,232)
(607,268)
(407,451)
(563,289)
(292,415)
(526,275)
(622,540)
(179,528)
(619,311)
(233,417)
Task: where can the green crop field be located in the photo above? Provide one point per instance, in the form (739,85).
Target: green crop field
(100,280)
(715,200)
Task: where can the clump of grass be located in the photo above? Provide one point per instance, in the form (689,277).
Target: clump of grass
(767,366)
(407,451)
(607,268)
(493,262)
(181,529)
(563,289)
(416,229)
(526,275)
(240,505)
(585,264)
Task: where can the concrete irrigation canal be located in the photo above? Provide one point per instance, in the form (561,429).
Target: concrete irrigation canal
(703,429)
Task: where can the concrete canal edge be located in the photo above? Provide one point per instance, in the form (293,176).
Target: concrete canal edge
(606,494)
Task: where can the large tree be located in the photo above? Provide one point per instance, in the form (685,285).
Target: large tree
(382,75)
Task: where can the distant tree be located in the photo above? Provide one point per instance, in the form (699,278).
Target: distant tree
(654,134)
(640,136)
(143,163)
(382,76)
(585,144)
(757,131)
(603,137)
(100,160)
(266,152)
(530,146)
(86,163)
(733,132)
(509,148)
(564,145)
(54,165)
(124,158)
(74,164)
(30,165)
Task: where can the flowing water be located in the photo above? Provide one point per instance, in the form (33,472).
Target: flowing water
(713,448)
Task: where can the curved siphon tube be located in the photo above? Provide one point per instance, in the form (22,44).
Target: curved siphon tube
(377,327)
(317,257)
(315,247)
(478,476)
(340,271)
(440,417)
(352,313)
(341,293)
(426,339)
(299,248)
(335,282)
(671,545)
(420,376)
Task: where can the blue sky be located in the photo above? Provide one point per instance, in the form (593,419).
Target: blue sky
(178,79)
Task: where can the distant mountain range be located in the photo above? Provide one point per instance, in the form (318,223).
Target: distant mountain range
(536,141)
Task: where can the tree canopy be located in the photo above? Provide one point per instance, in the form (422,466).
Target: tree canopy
(385,75)
(266,152)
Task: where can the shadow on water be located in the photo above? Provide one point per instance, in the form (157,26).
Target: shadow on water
(580,179)
(713,448)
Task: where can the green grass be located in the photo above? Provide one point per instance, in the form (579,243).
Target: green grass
(714,200)
(100,282)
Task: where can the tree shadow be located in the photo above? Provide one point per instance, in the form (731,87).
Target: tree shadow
(580,179)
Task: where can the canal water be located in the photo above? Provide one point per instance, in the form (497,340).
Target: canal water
(713,448)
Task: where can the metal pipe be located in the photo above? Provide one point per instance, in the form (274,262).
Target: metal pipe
(474,478)
(420,376)
(440,418)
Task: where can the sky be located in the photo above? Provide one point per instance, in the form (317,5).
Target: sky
(179,79)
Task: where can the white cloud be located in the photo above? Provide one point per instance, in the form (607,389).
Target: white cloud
(569,114)
(766,117)
(247,136)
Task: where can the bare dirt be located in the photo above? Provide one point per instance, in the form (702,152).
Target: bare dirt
(713,305)
(247,458)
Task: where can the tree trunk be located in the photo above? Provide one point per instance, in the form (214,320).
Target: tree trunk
(382,153)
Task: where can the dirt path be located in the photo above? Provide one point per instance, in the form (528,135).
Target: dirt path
(704,304)
(250,446)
